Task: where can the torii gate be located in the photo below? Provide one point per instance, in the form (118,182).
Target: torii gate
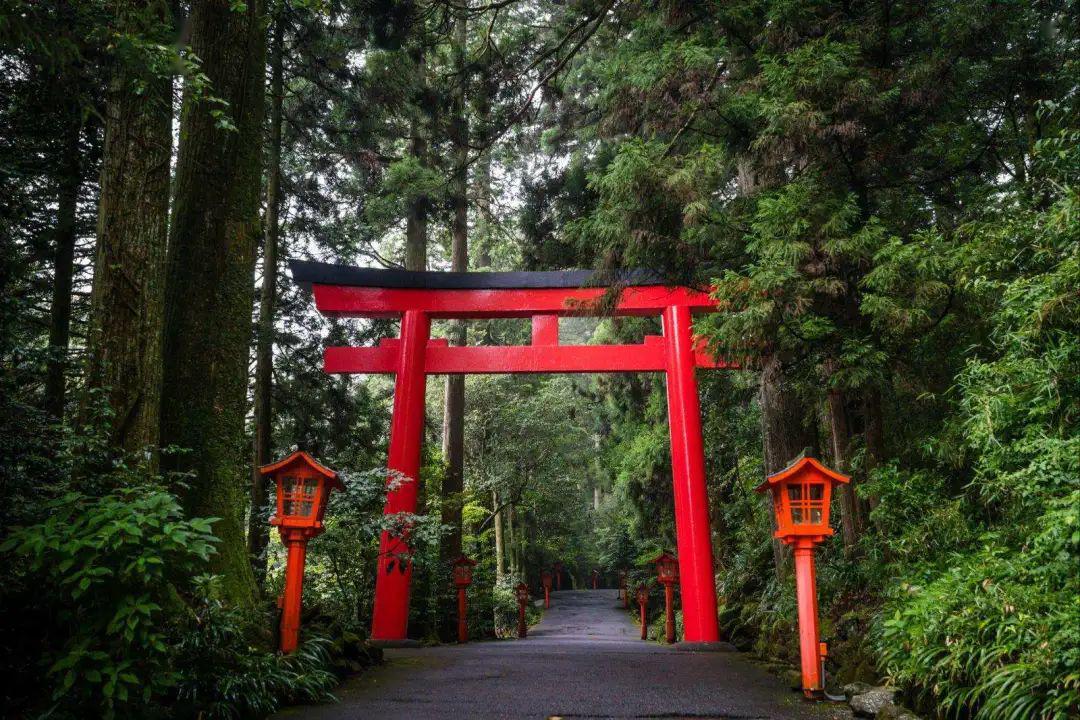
(418,297)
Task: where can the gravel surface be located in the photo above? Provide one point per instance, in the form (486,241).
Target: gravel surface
(583,660)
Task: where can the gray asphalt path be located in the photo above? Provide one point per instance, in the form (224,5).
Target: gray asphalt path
(583,660)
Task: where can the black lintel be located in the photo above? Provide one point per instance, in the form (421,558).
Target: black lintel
(305,273)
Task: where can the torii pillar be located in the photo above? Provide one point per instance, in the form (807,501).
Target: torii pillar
(391,616)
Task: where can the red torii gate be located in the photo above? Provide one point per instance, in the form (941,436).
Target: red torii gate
(418,297)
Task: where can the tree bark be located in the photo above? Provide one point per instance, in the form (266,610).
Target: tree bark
(127,301)
(453,439)
(69,175)
(786,431)
(840,439)
(508,539)
(873,434)
(500,562)
(209,290)
(258,536)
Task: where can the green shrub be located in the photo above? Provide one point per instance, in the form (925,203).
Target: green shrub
(107,567)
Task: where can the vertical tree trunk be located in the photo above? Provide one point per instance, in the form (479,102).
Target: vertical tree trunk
(209,290)
(508,538)
(416,220)
(786,430)
(840,440)
(453,439)
(258,529)
(483,180)
(873,433)
(129,266)
(500,563)
(67,200)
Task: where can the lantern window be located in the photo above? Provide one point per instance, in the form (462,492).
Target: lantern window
(807,501)
(299,495)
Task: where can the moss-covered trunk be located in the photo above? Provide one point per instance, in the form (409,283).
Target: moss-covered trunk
(786,429)
(67,198)
(258,529)
(129,267)
(209,289)
(453,437)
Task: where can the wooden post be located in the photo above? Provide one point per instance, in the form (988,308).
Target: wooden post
(688,474)
(394,574)
(669,613)
(462,617)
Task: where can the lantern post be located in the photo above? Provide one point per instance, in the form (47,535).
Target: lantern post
(558,568)
(303,487)
(624,594)
(545,579)
(667,572)
(643,604)
(463,571)
(595,579)
(801,495)
(522,591)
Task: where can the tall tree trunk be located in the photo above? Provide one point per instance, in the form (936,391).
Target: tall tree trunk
(453,438)
(500,562)
(416,220)
(508,538)
(840,439)
(209,290)
(786,430)
(258,528)
(873,433)
(67,199)
(482,178)
(133,218)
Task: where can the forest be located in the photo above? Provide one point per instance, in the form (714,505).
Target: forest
(883,198)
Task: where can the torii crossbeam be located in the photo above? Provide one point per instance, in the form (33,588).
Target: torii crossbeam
(419,297)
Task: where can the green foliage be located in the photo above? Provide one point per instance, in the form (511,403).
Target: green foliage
(226,676)
(107,565)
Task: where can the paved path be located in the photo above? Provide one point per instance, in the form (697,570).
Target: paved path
(583,660)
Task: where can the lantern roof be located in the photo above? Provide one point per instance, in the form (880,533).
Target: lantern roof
(463,560)
(665,556)
(299,457)
(797,469)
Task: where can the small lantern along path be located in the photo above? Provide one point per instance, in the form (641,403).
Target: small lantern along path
(463,571)
(801,495)
(303,486)
(584,658)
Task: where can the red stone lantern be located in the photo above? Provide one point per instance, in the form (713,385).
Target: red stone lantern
(463,572)
(595,579)
(522,592)
(303,487)
(643,604)
(667,573)
(801,496)
(545,580)
(624,594)
(558,567)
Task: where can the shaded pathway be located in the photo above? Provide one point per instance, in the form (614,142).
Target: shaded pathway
(583,660)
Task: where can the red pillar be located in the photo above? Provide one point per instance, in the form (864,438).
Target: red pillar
(391,616)
(688,472)
(462,609)
(669,613)
(294,589)
(522,628)
(644,626)
(806,592)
